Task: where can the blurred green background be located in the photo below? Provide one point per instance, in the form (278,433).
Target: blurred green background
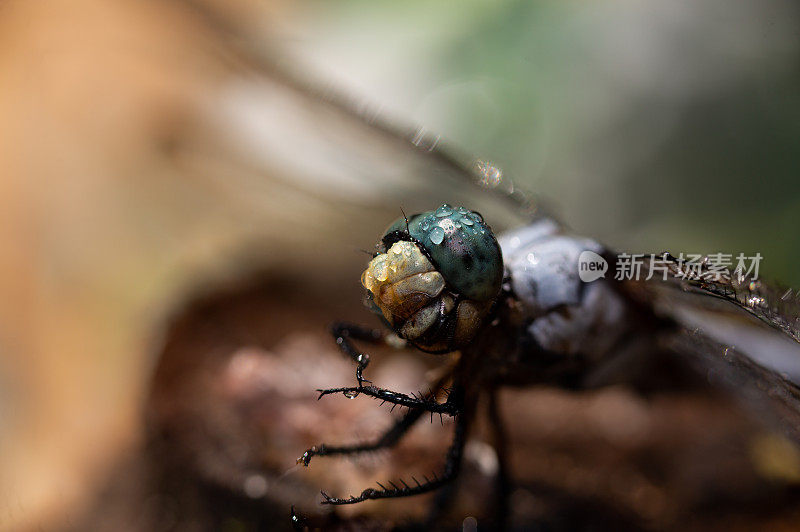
(650,125)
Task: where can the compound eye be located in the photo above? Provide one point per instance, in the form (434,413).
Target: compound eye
(461,246)
(436,277)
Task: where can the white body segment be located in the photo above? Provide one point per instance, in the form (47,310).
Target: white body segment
(567,315)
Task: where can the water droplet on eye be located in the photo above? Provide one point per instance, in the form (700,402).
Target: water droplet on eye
(350,394)
(444,210)
(467,221)
(448,225)
(381,272)
(437,235)
(425,225)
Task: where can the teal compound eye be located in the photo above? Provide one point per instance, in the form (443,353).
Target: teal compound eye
(461,246)
(436,277)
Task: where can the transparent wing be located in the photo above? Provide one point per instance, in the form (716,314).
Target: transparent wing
(775,305)
(743,335)
(311,170)
(317,135)
(735,309)
(772,396)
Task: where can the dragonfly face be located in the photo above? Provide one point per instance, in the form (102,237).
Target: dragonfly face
(436,277)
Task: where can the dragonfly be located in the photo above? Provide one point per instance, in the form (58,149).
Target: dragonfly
(533,322)
(515,309)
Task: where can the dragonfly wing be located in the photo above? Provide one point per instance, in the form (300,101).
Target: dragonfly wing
(774,305)
(750,350)
(772,396)
(721,304)
(269,131)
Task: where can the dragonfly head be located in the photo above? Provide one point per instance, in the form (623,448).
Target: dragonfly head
(436,277)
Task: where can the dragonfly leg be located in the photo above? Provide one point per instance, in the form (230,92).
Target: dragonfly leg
(388,439)
(344,332)
(419,401)
(444,499)
(451,469)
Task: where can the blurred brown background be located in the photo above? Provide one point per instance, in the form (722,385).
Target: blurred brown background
(161,173)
